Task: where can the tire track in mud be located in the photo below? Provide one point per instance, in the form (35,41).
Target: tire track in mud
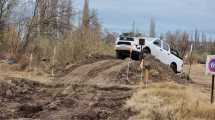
(88,72)
(88,92)
(94,72)
(100,96)
(79,73)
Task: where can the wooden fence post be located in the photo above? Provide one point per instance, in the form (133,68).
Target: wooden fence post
(212,90)
(146,77)
(147,68)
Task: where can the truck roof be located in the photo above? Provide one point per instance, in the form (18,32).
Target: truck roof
(146,38)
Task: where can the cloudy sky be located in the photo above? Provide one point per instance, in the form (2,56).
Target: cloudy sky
(117,15)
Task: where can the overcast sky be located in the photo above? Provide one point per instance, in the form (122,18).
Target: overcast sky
(117,15)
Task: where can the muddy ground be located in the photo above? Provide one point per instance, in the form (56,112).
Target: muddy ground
(92,90)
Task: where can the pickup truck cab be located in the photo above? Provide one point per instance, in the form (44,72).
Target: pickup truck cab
(154,46)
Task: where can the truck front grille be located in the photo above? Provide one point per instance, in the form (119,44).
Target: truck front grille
(124,43)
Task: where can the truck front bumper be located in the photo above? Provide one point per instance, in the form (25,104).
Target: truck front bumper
(126,48)
(134,54)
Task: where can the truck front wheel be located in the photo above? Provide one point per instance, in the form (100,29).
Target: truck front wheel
(145,52)
(119,55)
(173,66)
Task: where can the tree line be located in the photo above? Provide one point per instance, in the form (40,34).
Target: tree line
(182,41)
(51,24)
(74,33)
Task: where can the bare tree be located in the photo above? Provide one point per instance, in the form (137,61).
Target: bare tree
(152,32)
(6,7)
(85,16)
(47,17)
(55,17)
(32,24)
(94,22)
(204,45)
(196,39)
(171,38)
(183,43)
(178,40)
(66,13)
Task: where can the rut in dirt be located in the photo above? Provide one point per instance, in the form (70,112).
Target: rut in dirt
(90,103)
(87,96)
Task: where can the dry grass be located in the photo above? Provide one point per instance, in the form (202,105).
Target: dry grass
(170,101)
(7,71)
(197,73)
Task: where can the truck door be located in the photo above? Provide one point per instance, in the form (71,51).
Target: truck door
(156,48)
(165,55)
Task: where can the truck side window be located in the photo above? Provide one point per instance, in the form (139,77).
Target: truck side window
(157,43)
(165,46)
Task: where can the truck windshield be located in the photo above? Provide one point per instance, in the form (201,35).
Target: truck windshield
(165,46)
(126,39)
(175,52)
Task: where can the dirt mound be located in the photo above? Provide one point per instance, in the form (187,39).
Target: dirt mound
(158,72)
(96,90)
(101,72)
(63,70)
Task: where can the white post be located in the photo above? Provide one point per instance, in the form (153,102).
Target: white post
(190,59)
(30,61)
(141,67)
(53,60)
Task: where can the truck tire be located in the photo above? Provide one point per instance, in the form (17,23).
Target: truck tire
(119,55)
(173,66)
(145,52)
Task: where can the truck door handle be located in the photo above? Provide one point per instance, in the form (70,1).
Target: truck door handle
(161,50)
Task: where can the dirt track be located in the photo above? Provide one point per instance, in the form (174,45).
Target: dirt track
(91,91)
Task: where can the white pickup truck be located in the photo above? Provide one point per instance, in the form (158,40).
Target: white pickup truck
(154,46)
